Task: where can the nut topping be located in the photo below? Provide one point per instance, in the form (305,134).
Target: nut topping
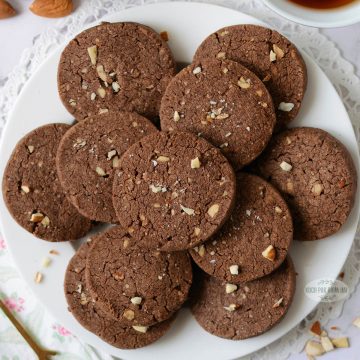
(37,217)
(234,269)
(136,300)
(231,307)
(285,166)
(100,171)
(25,189)
(213,210)
(129,314)
(176,116)
(283,106)
(195,163)
(92,51)
(187,210)
(230,288)
(272,56)
(279,52)
(244,84)
(139,328)
(163,159)
(197,70)
(269,253)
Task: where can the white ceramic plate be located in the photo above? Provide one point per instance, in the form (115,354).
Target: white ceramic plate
(323,18)
(187,24)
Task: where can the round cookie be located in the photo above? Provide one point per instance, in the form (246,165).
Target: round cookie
(315,174)
(88,156)
(174,190)
(89,315)
(32,191)
(256,238)
(272,57)
(134,285)
(223,102)
(121,66)
(242,311)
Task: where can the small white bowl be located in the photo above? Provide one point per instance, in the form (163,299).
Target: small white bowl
(323,18)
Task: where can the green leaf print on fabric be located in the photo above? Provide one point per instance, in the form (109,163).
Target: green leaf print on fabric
(7,273)
(11,335)
(34,321)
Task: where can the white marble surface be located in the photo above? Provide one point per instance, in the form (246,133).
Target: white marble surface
(20,32)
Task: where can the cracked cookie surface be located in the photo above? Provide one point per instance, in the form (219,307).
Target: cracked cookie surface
(272,57)
(246,310)
(32,190)
(88,156)
(134,285)
(256,238)
(90,315)
(173,190)
(115,66)
(316,175)
(224,103)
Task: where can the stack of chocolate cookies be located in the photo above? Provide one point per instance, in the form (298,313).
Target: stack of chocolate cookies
(224,183)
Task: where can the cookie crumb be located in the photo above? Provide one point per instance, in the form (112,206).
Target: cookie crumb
(342,342)
(314,348)
(164,35)
(315,328)
(38,277)
(46,261)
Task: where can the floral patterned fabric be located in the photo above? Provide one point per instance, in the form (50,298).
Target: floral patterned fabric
(40,324)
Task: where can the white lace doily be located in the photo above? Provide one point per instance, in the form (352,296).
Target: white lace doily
(340,72)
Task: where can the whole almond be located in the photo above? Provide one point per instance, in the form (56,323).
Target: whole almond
(6,10)
(52,8)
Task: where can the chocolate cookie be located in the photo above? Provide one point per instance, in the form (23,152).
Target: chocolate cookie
(88,156)
(223,102)
(32,191)
(256,238)
(315,174)
(90,315)
(173,191)
(120,66)
(134,285)
(272,57)
(242,311)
